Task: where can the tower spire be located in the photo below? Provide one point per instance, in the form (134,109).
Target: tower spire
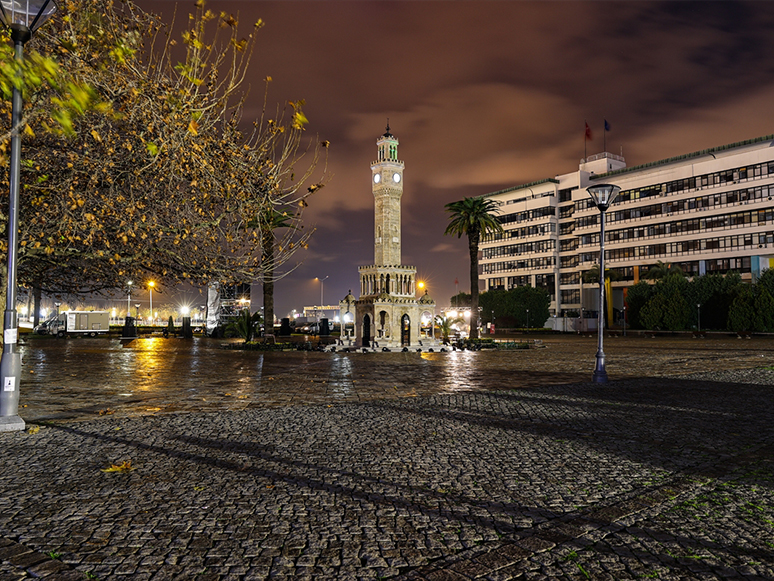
(387,133)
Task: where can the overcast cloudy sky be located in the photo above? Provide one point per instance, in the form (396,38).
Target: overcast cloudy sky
(487,95)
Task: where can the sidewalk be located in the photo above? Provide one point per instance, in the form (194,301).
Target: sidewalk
(667,478)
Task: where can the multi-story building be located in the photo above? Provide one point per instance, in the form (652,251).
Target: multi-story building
(708,211)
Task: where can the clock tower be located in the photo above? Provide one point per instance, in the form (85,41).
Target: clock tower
(388,314)
(387,188)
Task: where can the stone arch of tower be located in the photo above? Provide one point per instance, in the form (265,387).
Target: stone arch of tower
(405,330)
(366,341)
(426,322)
(383,325)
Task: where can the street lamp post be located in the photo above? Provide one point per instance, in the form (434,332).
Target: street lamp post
(322,280)
(129,298)
(151,284)
(23,18)
(603,195)
(527,320)
(624,319)
(698,311)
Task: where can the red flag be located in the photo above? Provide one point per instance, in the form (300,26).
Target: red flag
(456,281)
(588,132)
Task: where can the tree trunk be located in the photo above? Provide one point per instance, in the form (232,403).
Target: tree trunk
(473,248)
(38,296)
(268,284)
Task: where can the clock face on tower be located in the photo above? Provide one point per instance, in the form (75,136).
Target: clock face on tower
(377,178)
(396,177)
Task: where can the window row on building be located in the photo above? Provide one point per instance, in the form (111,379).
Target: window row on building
(711,201)
(667,249)
(534,214)
(523,232)
(524,263)
(519,249)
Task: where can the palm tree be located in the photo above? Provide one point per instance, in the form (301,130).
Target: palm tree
(662,270)
(473,217)
(243,326)
(592,275)
(445,326)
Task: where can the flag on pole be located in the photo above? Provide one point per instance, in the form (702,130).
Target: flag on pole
(604,135)
(607,125)
(586,137)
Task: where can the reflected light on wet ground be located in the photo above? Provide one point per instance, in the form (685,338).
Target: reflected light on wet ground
(80,378)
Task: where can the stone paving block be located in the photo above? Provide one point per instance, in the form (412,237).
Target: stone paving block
(445,575)
(25,560)
(48,567)
(12,550)
(535,544)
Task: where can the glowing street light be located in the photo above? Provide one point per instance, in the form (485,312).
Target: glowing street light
(23,18)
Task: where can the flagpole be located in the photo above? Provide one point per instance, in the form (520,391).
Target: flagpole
(585,136)
(604,135)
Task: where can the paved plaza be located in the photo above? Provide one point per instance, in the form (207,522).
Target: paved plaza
(440,466)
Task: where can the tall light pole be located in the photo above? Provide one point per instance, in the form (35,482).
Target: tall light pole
(23,18)
(322,280)
(698,310)
(151,284)
(603,195)
(624,319)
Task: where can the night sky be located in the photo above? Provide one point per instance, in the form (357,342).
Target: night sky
(488,95)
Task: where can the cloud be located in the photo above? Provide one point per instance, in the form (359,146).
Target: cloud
(443,247)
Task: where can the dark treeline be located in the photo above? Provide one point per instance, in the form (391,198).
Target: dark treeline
(712,301)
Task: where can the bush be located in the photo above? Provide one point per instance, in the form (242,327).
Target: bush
(636,298)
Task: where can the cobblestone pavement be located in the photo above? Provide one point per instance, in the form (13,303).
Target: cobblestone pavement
(432,466)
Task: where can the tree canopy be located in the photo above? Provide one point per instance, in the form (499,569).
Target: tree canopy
(137,159)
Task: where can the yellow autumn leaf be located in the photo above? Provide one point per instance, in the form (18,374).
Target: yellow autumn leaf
(125,466)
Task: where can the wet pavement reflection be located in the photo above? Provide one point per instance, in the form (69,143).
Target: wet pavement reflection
(83,378)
